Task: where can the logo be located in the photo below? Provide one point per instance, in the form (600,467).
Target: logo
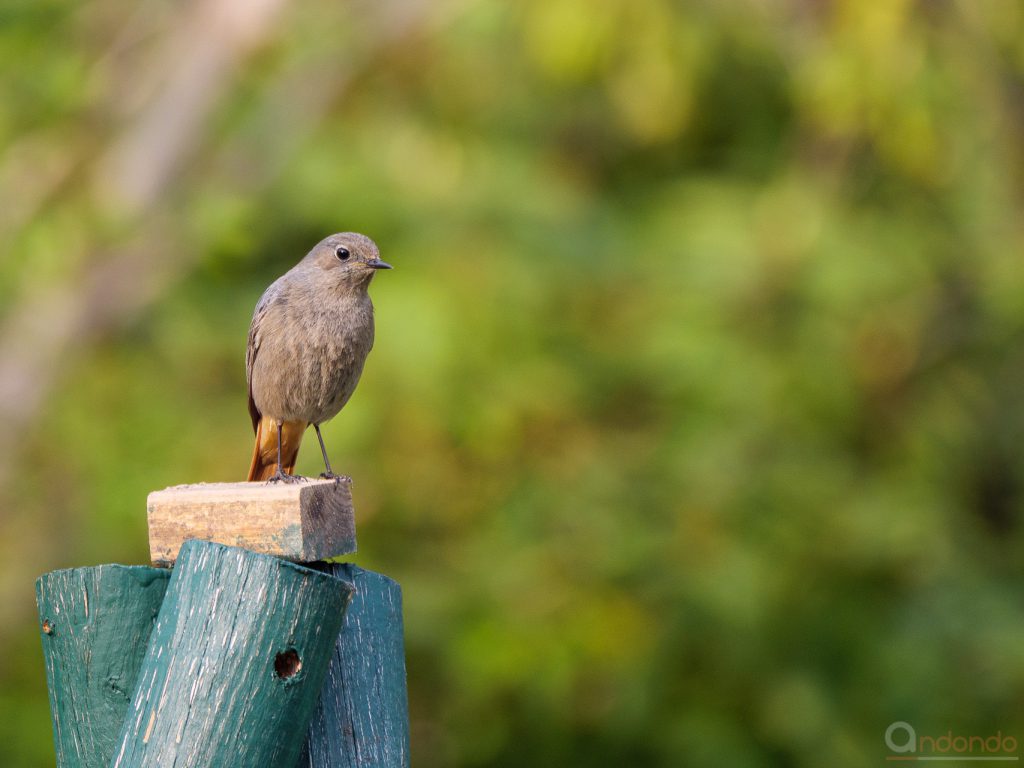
(905,745)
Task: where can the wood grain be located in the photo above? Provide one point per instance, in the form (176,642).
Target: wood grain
(235,663)
(362,718)
(94,624)
(304,522)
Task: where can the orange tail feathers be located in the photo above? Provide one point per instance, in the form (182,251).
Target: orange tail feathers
(264,454)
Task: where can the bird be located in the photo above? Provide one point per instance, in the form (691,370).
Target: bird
(309,337)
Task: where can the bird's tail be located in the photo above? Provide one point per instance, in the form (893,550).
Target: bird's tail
(264,454)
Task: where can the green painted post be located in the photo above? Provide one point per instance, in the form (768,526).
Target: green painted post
(94,624)
(235,663)
(362,718)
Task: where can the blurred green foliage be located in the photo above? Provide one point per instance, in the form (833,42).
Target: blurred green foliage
(693,427)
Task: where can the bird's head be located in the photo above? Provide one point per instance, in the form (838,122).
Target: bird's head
(347,257)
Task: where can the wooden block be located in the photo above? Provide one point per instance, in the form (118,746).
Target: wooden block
(306,521)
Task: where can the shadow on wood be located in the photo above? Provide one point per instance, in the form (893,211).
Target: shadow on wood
(94,624)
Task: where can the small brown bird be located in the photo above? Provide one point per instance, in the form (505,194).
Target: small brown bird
(309,338)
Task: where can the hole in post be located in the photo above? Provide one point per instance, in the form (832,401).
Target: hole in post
(287,664)
(47,626)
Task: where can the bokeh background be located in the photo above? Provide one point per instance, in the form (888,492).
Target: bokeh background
(693,431)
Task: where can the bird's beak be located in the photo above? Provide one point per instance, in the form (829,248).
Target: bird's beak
(377,264)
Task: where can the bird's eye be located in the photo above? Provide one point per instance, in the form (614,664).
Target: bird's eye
(342,253)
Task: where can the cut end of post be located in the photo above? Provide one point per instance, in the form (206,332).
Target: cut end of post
(304,521)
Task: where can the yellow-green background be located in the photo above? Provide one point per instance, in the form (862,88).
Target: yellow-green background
(693,427)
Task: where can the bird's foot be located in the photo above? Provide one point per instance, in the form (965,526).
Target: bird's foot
(281,477)
(335,478)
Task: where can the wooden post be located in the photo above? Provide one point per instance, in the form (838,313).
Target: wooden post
(362,718)
(235,662)
(94,624)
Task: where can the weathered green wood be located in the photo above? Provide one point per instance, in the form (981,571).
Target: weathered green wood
(235,663)
(362,719)
(94,624)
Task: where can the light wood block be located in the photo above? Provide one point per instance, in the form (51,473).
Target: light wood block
(306,521)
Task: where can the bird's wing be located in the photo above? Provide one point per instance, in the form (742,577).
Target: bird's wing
(266,301)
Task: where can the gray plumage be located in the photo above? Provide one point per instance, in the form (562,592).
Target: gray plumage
(310,335)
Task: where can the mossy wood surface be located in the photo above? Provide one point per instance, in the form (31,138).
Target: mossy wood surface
(94,624)
(235,662)
(304,521)
(362,718)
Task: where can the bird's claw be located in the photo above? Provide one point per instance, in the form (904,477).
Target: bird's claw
(281,477)
(335,478)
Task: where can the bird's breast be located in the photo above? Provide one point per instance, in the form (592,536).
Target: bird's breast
(337,341)
(318,354)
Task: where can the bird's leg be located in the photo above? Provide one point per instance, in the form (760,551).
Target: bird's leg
(279,476)
(329,474)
